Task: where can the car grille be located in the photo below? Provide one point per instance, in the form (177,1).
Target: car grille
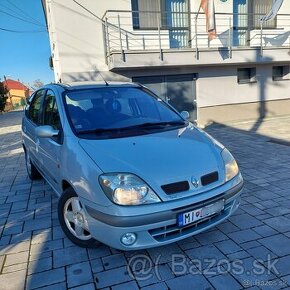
(175,187)
(173,231)
(209,178)
(182,186)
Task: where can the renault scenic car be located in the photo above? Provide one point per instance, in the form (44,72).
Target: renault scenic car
(130,171)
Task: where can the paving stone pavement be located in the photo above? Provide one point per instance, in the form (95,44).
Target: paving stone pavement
(250,250)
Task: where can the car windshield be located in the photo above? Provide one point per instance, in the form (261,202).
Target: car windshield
(116,110)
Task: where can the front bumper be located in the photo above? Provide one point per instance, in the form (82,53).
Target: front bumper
(159,228)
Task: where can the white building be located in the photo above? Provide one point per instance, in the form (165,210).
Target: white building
(242,74)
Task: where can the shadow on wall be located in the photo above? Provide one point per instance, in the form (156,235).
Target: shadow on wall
(263,94)
(278,40)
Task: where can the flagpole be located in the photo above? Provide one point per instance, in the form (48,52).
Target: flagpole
(261,50)
(195,28)
(198,11)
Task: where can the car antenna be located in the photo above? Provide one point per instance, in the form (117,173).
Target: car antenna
(95,67)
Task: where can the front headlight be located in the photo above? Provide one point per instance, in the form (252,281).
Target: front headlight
(127,189)
(231,166)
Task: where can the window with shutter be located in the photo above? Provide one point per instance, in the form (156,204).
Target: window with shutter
(257,9)
(167,14)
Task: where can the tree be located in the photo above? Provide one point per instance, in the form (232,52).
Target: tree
(3,96)
(38,84)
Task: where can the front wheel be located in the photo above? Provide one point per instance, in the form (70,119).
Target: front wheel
(73,221)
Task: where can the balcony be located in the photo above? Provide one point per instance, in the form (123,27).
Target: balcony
(184,42)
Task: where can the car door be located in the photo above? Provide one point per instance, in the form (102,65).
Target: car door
(50,148)
(30,122)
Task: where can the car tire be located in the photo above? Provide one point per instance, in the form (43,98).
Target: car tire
(72,218)
(32,171)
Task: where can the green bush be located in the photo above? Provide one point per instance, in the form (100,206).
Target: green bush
(3,97)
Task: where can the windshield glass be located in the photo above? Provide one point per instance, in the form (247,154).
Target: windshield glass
(118,109)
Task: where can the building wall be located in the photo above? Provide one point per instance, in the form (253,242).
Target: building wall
(78,53)
(19,93)
(77,40)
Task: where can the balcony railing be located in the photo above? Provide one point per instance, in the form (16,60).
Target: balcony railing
(126,31)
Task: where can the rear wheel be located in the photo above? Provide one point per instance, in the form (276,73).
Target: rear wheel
(73,221)
(32,172)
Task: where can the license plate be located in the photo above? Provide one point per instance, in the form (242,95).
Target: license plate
(193,216)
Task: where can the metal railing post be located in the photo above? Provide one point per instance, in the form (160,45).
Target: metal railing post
(107,40)
(127,41)
(143,40)
(196,40)
(261,49)
(230,38)
(159,37)
(120,36)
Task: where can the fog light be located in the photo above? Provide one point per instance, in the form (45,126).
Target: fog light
(128,239)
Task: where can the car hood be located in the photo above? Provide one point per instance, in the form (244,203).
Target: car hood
(160,158)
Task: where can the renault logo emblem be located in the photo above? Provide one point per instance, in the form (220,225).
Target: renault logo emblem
(195,182)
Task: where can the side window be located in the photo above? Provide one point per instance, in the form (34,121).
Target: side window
(51,115)
(34,107)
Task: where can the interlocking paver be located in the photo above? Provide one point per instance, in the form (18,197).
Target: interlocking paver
(33,246)
(18,258)
(112,277)
(189,282)
(13,281)
(46,278)
(79,274)
(278,244)
(224,282)
(67,256)
(114,261)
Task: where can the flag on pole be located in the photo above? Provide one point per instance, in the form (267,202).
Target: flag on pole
(208,8)
(273,12)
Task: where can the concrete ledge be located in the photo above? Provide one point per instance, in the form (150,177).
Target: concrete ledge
(226,114)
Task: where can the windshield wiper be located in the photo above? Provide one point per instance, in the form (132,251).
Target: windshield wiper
(160,124)
(99,130)
(140,126)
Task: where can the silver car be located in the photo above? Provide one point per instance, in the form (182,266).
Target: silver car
(129,170)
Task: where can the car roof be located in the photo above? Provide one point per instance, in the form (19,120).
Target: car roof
(90,85)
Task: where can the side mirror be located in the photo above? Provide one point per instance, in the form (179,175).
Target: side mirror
(185,115)
(46,132)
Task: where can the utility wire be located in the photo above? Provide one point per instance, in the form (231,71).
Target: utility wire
(21,31)
(88,10)
(9,9)
(22,19)
(23,12)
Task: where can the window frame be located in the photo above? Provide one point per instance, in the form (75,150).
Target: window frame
(162,18)
(252,76)
(285,76)
(44,107)
(272,24)
(31,101)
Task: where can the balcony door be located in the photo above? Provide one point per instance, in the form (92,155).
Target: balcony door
(240,27)
(176,19)
(170,15)
(247,15)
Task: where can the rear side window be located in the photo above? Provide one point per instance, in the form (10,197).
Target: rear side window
(35,106)
(51,114)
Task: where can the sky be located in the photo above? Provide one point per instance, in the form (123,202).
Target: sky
(24,55)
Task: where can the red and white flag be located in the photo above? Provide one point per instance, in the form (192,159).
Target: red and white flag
(208,8)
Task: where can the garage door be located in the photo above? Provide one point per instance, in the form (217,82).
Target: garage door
(178,90)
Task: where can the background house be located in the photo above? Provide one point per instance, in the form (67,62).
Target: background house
(17,94)
(242,74)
